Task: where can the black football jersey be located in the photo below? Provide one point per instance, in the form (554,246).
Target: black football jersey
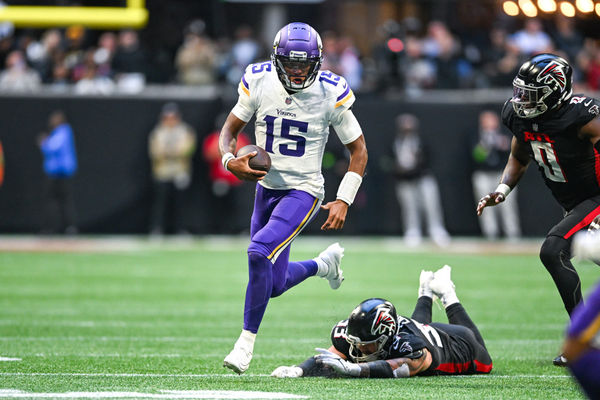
(451,354)
(570,166)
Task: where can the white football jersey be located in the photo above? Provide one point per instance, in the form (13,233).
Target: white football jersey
(293,128)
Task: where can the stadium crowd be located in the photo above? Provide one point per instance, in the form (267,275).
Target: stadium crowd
(409,55)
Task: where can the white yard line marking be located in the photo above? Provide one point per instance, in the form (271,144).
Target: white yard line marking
(9,359)
(150,339)
(132,375)
(165,394)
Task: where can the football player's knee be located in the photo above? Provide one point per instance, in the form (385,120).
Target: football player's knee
(258,248)
(553,249)
(257,261)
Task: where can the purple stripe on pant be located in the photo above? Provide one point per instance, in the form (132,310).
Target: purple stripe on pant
(278,216)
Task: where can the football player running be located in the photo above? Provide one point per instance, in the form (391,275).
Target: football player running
(375,342)
(294,103)
(560,131)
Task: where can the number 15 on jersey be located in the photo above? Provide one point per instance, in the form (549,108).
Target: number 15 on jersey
(287,149)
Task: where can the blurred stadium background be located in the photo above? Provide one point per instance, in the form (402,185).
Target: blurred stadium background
(128,314)
(444,61)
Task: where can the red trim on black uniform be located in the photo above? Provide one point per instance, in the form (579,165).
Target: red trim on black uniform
(456,368)
(583,223)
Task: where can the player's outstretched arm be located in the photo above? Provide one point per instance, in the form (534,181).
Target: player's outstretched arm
(517,164)
(394,368)
(227,144)
(349,185)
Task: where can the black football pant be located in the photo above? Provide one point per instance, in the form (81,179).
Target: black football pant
(59,207)
(556,250)
(456,313)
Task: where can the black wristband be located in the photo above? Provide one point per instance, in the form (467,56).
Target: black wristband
(377,369)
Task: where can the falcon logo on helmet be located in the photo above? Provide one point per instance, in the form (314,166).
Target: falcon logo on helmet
(553,74)
(543,83)
(384,323)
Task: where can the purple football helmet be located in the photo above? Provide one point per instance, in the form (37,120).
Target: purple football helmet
(297,55)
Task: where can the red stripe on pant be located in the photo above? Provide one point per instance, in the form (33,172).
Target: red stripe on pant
(456,368)
(584,222)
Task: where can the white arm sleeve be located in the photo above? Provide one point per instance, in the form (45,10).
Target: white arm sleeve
(347,127)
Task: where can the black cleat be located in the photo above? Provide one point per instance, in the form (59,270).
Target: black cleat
(560,361)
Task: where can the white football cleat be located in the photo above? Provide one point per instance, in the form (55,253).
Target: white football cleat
(239,358)
(443,287)
(287,372)
(424,279)
(332,257)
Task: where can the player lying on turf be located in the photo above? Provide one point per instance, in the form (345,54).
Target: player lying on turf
(374,342)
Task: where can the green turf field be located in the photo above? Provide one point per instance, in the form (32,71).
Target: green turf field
(156,320)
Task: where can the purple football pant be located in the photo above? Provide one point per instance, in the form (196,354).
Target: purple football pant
(585,325)
(278,217)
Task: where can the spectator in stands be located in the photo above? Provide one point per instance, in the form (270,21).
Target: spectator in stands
(129,63)
(531,39)
(244,51)
(225,187)
(75,37)
(490,151)
(351,67)
(103,55)
(196,59)
(416,187)
(500,61)
(18,76)
(91,81)
(41,53)
(171,146)
(419,71)
(566,37)
(589,63)
(331,56)
(60,164)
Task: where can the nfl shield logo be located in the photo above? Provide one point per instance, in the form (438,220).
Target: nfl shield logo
(288,100)
(535,126)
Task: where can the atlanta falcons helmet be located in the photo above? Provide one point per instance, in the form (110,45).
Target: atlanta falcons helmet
(297,46)
(372,321)
(543,83)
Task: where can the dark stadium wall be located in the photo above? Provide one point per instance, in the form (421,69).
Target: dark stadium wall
(113,185)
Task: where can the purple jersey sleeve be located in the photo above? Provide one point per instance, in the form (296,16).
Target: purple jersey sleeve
(585,321)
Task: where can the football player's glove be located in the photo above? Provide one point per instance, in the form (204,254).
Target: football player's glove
(287,372)
(337,363)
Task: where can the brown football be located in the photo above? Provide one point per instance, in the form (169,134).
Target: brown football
(261,161)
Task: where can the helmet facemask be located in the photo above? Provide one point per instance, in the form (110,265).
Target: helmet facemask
(528,101)
(296,73)
(358,356)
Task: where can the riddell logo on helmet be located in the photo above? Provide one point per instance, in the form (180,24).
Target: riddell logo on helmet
(553,73)
(384,322)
